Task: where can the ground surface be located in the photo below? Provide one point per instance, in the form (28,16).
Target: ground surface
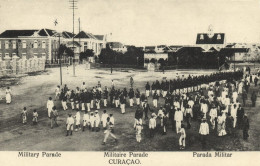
(33,92)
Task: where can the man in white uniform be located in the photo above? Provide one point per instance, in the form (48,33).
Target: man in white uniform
(70,123)
(50,104)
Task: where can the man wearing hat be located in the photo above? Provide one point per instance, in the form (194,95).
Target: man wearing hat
(69,124)
(97,120)
(85,120)
(155,100)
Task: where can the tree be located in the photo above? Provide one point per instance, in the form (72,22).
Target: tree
(86,54)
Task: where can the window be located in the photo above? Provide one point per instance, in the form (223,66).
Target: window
(6,44)
(43,44)
(13,54)
(35,55)
(218,37)
(6,55)
(0,56)
(0,46)
(201,37)
(14,44)
(85,43)
(43,55)
(35,44)
(24,44)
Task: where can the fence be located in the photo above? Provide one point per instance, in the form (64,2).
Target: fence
(21,66)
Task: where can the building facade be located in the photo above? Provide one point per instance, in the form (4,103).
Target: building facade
(211,40)
(27,44)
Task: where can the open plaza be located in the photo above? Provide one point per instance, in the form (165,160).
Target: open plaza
(33,91)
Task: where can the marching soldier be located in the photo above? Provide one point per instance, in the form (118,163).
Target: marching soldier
(147,89)
(105,97)
(131,95)
(77,118)
(146,107)
(35,117)
(155,100)
(108,132)
(137,97)
(54,116)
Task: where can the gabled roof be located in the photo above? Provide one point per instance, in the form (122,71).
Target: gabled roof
(83,34)
(99,37)
(66,34)
(203,38)
(16,33)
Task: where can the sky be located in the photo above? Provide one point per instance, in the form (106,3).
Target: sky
(139,22)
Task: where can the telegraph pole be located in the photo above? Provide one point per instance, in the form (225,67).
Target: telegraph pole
(73,7)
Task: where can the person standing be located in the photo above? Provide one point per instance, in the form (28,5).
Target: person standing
(108,132)
(131,82)
(8,96)
(138,126)
(256,80)
(97,120)
(240,115)
(24,115)
(122,104)
(244,97)
(35,117)
(137,97)
(155,100)
(85,120)
(182,137)
(104,117)
(50,105)
(189,115)
(245,127)
(69,124)
(105,97)
(152,125)
(146,108)
(131,95)
(77,118)
(57,92)
(178,117)
(253,98)
(54,115)
(213,116)
(147,89)
(204,132)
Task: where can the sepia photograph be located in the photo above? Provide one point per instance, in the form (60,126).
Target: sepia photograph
(129,77)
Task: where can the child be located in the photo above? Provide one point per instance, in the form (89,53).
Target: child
(24,115)
(182,137)
(35,117)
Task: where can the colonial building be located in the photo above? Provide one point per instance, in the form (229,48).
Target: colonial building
(28,44)
(211,40)
(89,41)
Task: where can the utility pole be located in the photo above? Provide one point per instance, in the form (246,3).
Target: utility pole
(73,7)
(60,62)
(79,37)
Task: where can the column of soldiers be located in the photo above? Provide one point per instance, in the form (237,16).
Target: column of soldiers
(218,105)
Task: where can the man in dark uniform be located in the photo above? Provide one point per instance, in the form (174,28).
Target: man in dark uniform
(245,127)
(146,107)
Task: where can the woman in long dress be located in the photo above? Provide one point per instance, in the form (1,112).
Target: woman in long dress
(8,95)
